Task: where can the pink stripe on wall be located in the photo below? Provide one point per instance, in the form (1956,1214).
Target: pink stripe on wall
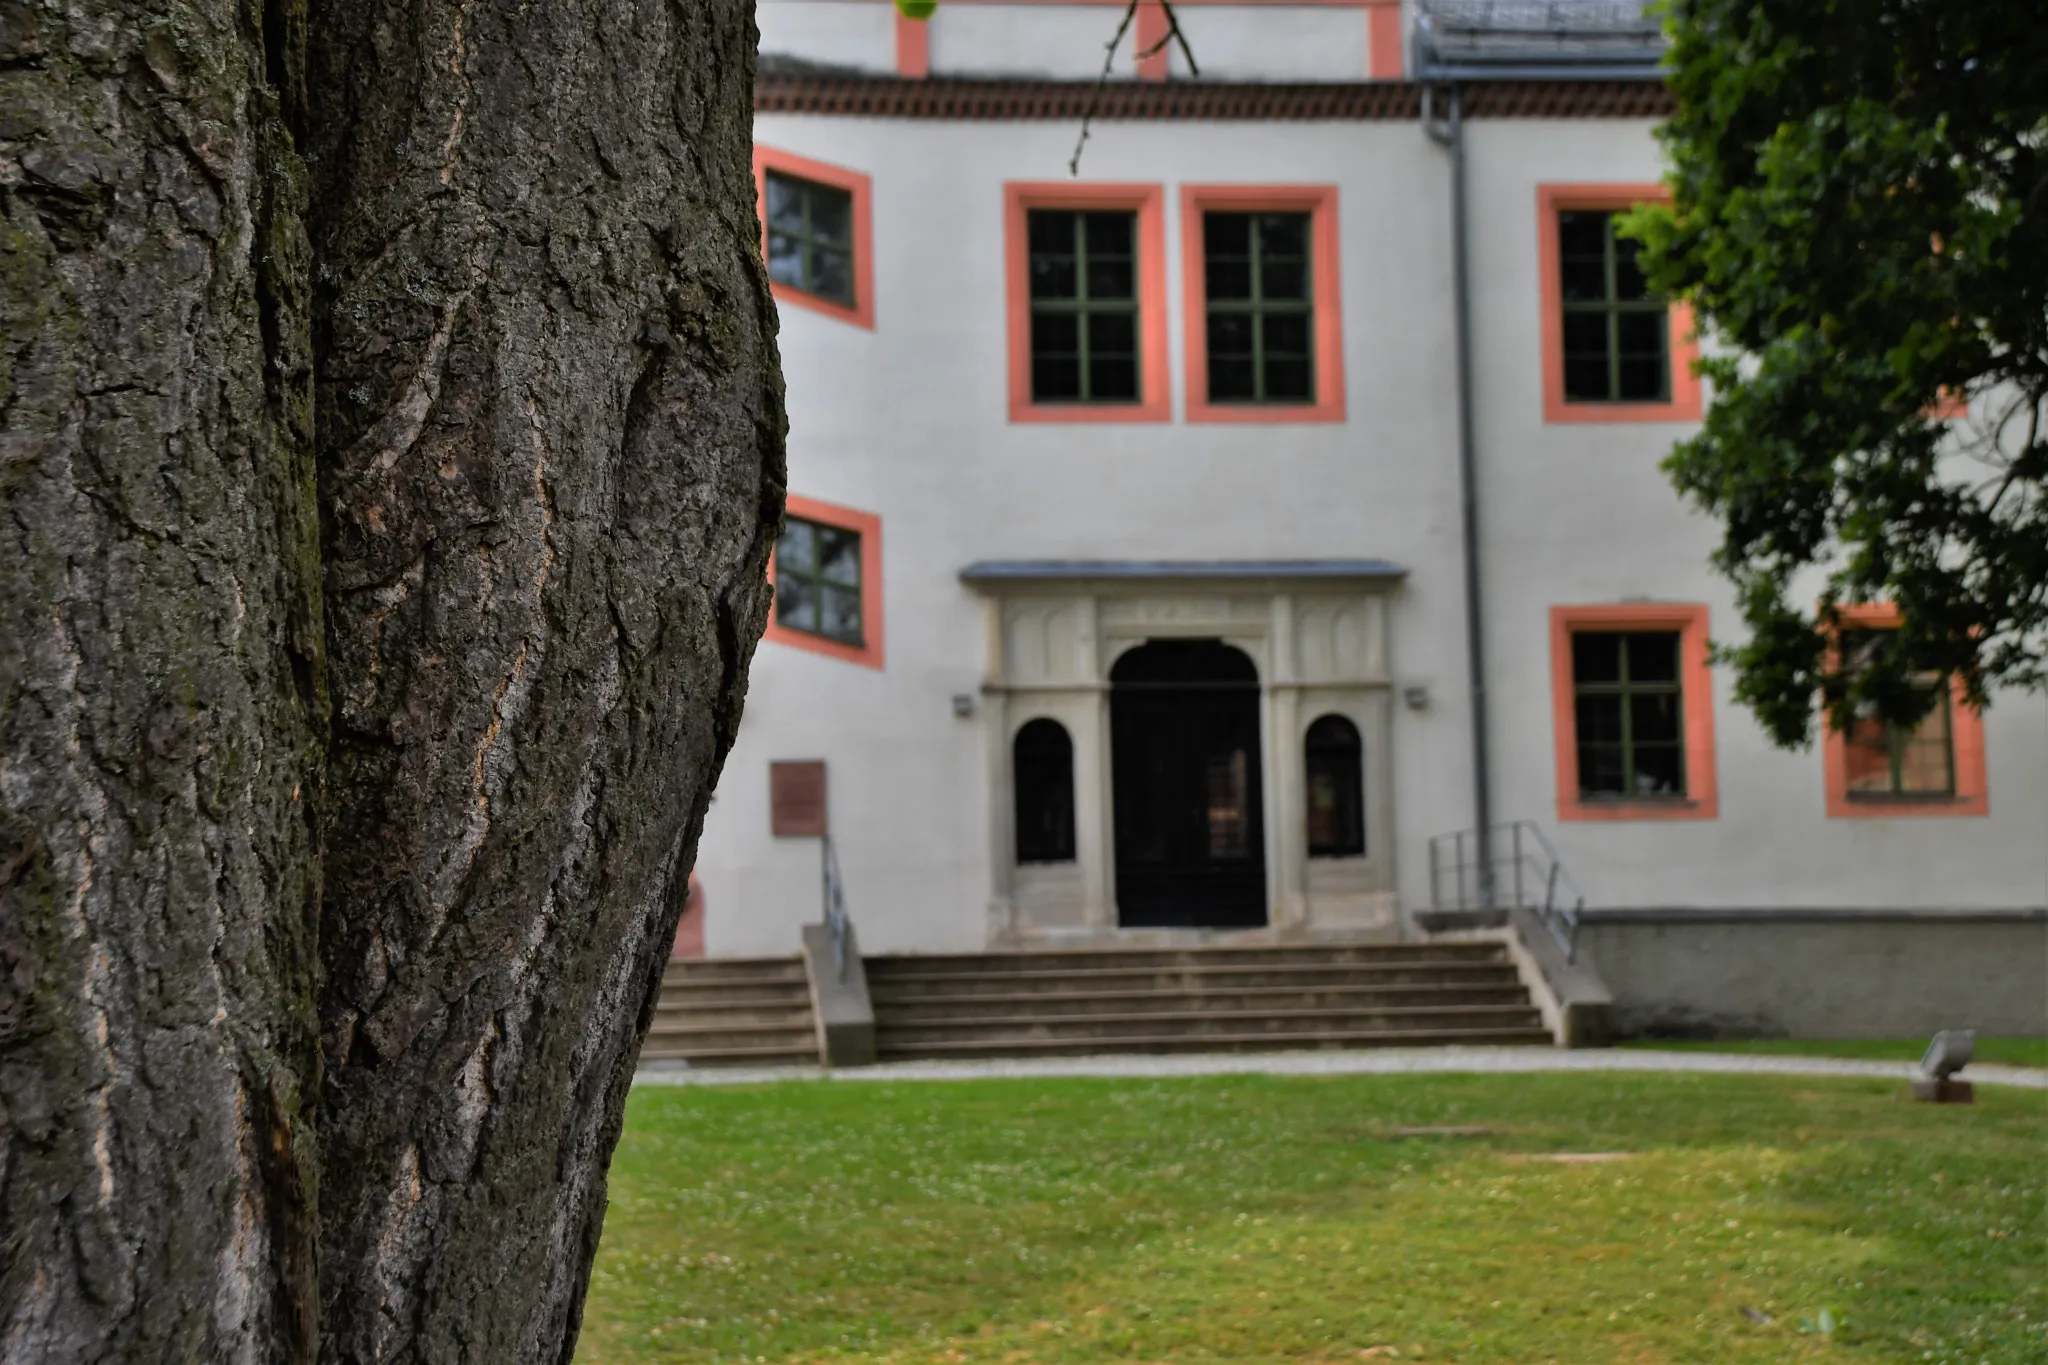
(913,47)
(1383,40)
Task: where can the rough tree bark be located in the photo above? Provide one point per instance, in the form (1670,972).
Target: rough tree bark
(548,473)
(159,693)
(547,386)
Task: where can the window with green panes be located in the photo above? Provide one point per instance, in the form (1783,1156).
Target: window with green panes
(1887,760)
(1628,712)
(1261,313)
(817,581)
(1084,306)
(1617,333)
(810,237)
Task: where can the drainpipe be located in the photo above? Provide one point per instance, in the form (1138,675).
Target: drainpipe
(1450,134)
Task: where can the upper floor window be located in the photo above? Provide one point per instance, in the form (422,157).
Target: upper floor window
(1883,760)
(817,580)
(1615,329)
(1335,764)
(1613,349)
(817,235)
(1084,306)
(810,237)
(1261,309)
(1264,338)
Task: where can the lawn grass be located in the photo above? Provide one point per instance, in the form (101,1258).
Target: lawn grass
(1286,1219)
(1998,1051)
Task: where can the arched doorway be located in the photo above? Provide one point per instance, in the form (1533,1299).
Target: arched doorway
(1184,755)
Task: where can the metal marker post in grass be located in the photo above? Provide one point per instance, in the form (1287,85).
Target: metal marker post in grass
(1949,1053)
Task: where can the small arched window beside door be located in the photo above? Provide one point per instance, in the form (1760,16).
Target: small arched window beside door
(1335,763)
(1042,761)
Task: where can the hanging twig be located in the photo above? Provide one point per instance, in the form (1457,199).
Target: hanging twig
(1173,34)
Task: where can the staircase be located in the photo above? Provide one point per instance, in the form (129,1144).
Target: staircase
(1064,1003)
(733,1011)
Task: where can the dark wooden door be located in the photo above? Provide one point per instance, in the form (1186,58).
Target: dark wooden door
(1184,754)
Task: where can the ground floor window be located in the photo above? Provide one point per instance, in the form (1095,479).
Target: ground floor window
(826,574)
(1042,762)
(1634,707)
(1335,763)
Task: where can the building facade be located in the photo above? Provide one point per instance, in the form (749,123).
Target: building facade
(1126,594)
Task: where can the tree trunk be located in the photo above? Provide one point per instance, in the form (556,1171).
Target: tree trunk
(550,466)
(160,694)
(549,469)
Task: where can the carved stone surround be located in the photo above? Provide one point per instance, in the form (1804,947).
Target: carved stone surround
(1317,632)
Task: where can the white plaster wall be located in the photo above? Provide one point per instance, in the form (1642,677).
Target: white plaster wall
(910,422)
(849,33)
(1274,42)
(1047,41)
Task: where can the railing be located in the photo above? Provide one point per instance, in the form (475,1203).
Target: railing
(1514,865)
(835,904)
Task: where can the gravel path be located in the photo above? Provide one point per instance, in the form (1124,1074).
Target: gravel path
(1375,1062)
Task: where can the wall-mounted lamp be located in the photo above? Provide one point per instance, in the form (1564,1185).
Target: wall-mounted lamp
(963,704)
(1416,696)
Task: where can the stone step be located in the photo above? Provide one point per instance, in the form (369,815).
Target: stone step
(734,1056)
(723,970)
(674,1013)
(706,1037)
(1418,972)
(739,994)
(1202,1023)
(1211,1042)
(914,1008)
(1094,959)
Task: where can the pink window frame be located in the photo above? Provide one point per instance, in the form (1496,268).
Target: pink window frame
(1320,203)
(1702,800)
(1154,403)
(1684,404)
(869,527)
(1966,735)
(860,187)
(913,47)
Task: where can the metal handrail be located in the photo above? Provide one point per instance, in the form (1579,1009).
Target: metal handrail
(1519,868)
(836,918)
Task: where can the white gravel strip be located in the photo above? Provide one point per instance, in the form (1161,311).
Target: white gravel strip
(1363,1062)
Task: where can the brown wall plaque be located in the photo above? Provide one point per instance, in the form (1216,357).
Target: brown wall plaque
(796,799)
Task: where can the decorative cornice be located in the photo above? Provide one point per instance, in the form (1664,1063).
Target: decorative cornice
(889,97)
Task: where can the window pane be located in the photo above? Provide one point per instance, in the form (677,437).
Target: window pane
(1111,279)
(1286,333)
(1113,333)
(1642,380)
(796,602)
(785,203)
(1867,755)
(1653,657)
(839,555)
(1660,770)
(1653,717)
(1230,379)
(1596,657)
(1584,279)
(1055,379)
(1642,334)
(1043,766)
(1628,276)
(1598,717)
(831,215)
(1600,770)
(1585,334)
(1112,378)
(1055,334)
(1110,234)
(1582,232)
(1049,230)
(1230,334)
(1229,279)
(796,551)
(1586,380)
(1288,380)
(1052,277)
(832,274)
(1226,234)
(1927,757)
(785,260)
(1283,234)
(841,613)
(1283,279)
